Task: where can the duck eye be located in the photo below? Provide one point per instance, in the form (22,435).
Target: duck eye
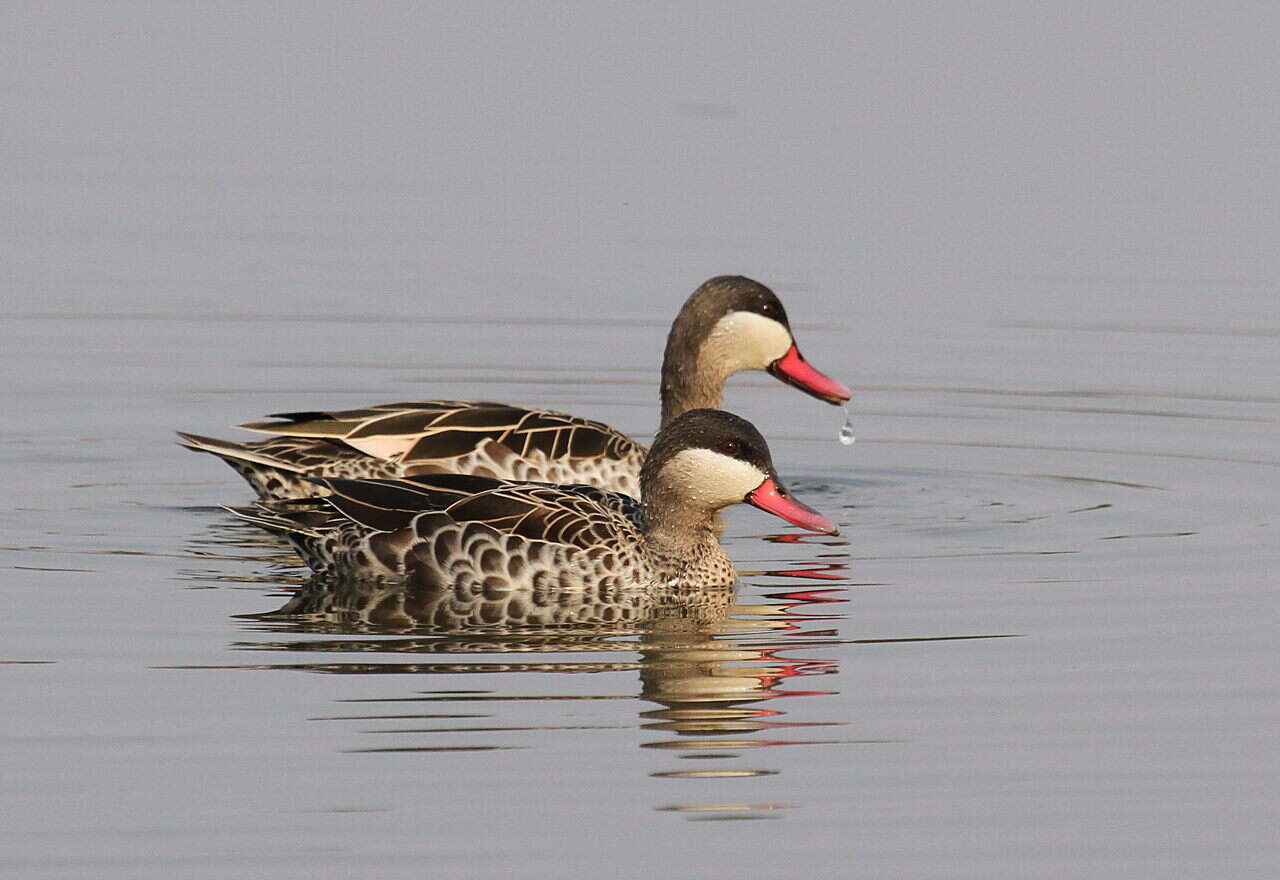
(731,448)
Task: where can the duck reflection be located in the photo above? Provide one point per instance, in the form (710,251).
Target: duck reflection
(707,664)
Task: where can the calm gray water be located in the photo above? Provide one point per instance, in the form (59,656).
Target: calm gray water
(1040,242)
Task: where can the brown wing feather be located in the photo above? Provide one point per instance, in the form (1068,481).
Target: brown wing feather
(422,432)
(382,505)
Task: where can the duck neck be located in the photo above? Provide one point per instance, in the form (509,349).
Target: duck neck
(689,381)
(684,542)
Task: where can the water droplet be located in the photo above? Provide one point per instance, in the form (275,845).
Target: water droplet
(846,430)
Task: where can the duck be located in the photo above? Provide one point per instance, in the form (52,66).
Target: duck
(729,324)
(484,538)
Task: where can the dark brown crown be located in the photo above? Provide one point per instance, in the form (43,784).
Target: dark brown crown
(712,429)
(714,299)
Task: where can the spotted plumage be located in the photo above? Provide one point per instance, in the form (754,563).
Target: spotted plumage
(727,325)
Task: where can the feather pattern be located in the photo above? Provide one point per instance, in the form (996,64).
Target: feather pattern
(430,437)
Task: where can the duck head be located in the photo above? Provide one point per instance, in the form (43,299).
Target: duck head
(728,325)
(706,460)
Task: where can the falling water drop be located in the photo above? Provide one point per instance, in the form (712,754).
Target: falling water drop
(846,430)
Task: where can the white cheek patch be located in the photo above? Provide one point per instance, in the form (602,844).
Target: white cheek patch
(710,479)
(748,341)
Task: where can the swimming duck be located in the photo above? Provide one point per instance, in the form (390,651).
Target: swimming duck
(729,324)
(484,537)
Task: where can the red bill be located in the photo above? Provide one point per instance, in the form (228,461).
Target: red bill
(793,369)
(772,497)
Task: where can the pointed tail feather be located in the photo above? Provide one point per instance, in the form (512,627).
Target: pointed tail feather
(230,451)
(303,522)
